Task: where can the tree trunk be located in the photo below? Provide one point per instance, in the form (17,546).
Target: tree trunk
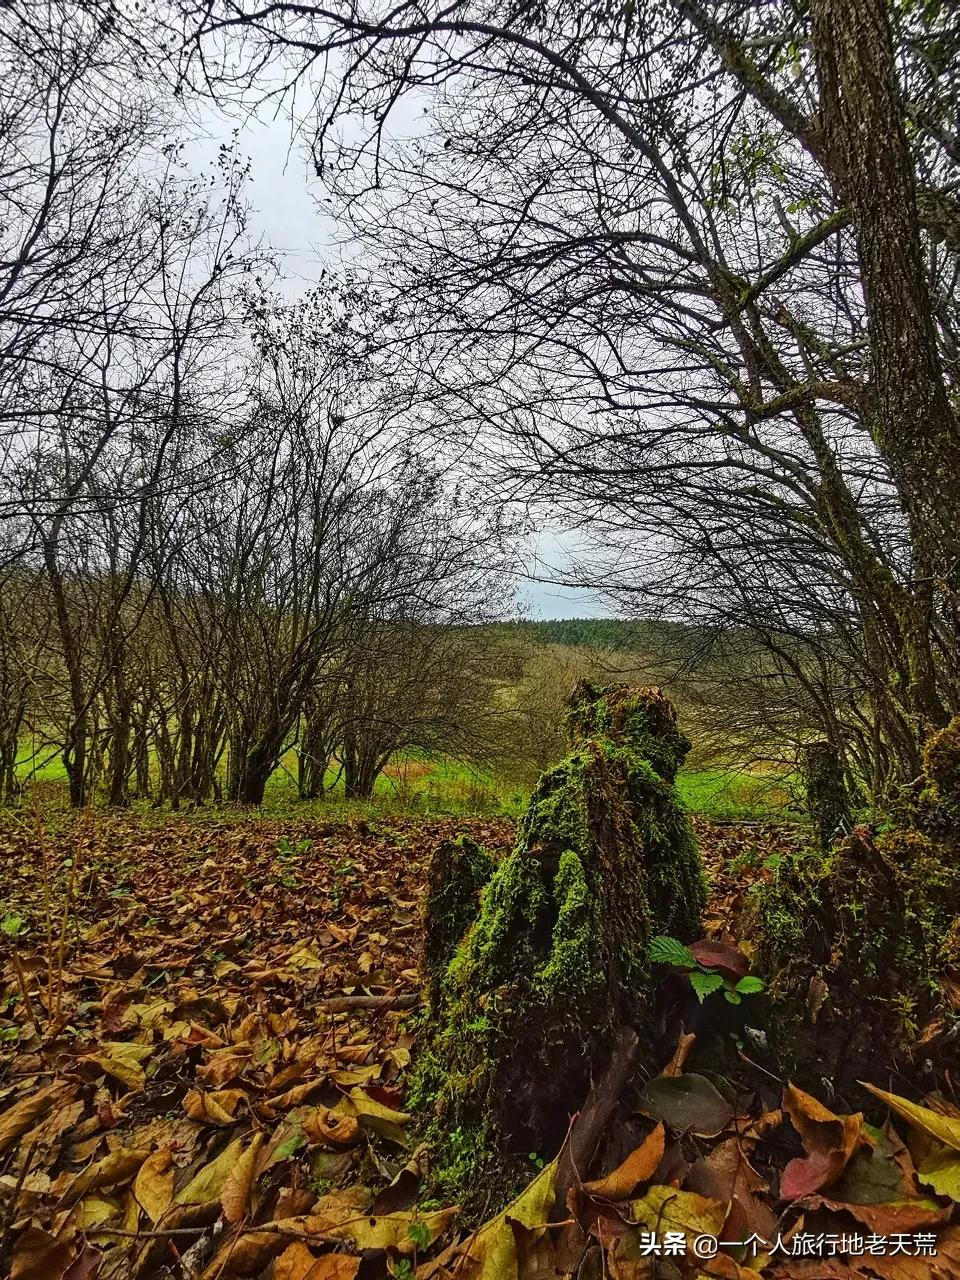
(821,766)
(910,414)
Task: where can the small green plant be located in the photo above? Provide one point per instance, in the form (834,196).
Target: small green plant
(419,1233)
(703,979)
(535,1159)
(287,849)
(13,925)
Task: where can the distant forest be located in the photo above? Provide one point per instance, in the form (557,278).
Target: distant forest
(603,633)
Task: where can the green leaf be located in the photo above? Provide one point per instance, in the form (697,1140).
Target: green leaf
(749,986)
(705,983)
(11,925)
(664,950)
(687,1102)
(419,1233)
(731,996)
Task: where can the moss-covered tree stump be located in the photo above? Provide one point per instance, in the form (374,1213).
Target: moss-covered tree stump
(554,959)
(861,943)
(828,804)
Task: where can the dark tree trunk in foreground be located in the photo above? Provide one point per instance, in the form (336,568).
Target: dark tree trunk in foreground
(908,411)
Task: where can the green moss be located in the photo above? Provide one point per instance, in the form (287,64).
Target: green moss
(941,766)
(865,927)
(827,801)
(641,719)
(458,871)
(555,959)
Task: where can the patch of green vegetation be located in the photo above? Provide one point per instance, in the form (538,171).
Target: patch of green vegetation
(730,795)
(864,931)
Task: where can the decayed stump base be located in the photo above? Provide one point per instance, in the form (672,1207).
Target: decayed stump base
(554,960)
(861,944)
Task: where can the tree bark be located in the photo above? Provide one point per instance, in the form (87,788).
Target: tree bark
(910,414)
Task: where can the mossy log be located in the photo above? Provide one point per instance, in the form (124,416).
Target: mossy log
(554,961)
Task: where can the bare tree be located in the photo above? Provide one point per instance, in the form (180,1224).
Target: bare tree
(644,246)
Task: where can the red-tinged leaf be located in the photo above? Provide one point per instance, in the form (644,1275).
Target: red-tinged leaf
(802,1177)
(726,959)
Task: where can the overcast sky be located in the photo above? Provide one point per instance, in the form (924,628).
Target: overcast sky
(287,212)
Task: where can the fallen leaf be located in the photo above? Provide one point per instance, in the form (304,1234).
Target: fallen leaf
(205,1186)
(688,1103)
(829,1140)
(493,1247)
(16,1120)
(235,1193)
(639,1166)
(153,1185)
(945,1129)
(298,1263)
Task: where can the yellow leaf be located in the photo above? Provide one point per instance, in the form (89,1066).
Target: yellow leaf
(941,1170)
(305,958)
(494,1245)
(667,1209)
(122,1061)
(639,1166)
(374,1116)
(945,1129)
(16,1120)
(93,1210)
(235,1196)
(113,1170)
(338,1217)
(206,1185)
(386,1231)
(217,1108)
(153,1186)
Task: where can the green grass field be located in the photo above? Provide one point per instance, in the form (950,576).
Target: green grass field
(413,785)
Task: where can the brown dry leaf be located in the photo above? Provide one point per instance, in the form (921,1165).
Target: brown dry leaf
(153,1185)
(726,1174)
(374,1116)
(122,1061)
(945,1266)
(326,1127)
(402,1191)
(16,1120)
(829,1140)
(298,1263)
(685,1043)
(886,1219)
(38,1255)
(639,1166)
(235,1194)
(114,1170)
(217,1108)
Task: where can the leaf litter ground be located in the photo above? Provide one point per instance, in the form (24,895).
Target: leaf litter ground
(185,1094)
